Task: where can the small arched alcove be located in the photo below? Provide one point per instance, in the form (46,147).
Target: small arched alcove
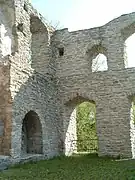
(31,134)
(80,126)
(97,58)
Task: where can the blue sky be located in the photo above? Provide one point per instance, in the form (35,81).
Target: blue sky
(81,14)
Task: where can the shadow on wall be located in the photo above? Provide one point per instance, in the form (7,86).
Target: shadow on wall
(5,110)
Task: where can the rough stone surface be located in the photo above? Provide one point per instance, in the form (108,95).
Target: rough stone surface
(111,90)
(49,72)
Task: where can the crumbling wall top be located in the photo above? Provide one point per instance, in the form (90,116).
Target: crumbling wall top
(34,13)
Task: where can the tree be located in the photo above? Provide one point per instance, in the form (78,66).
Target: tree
(86,127)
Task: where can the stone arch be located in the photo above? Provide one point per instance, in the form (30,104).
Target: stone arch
(128,31)
(128,36)
(32,134)
(16,135)
(69,122)
(75,95)
(97,58)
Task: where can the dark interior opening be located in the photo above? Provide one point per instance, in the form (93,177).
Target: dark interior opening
(31,134)
(61,51)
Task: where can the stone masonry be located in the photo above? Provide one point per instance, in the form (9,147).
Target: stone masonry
(46,73)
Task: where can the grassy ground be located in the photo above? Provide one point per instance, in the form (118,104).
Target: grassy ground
(78,167)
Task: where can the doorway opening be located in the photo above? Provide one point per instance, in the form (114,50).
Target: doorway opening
(31,134)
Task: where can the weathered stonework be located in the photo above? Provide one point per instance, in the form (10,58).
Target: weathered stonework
(111,90)
(49,72)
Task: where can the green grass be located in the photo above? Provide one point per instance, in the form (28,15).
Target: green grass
(78,167)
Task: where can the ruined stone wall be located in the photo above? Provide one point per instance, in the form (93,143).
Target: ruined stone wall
(110,90)
(6,48)
(24,87)
(80,47)
(41,53)
(40,46)
(31,90)
(51,72)
(36,94)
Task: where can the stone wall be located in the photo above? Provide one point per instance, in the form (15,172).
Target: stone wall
(111,90)
(6,49)
(40,46)
(29,90)
(50,72)
(36,94)
(111,95)
(5,110)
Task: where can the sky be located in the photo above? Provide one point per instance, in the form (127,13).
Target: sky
(84,14)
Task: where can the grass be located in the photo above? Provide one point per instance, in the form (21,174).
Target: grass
(77,167)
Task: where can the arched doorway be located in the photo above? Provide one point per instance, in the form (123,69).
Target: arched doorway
(80,126)
(31,134)
(86,127)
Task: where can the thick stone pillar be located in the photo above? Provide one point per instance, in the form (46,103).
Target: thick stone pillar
(113,126)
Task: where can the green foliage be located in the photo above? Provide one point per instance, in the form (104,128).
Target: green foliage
(133,112)
(86,127)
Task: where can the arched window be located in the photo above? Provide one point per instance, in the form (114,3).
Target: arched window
(99,63)
(97,58)
(129,55)
(31,134)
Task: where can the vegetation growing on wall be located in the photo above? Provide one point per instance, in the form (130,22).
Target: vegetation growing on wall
(86,127)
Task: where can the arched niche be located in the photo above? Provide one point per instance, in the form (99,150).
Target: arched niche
(31,134)
(40,43)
